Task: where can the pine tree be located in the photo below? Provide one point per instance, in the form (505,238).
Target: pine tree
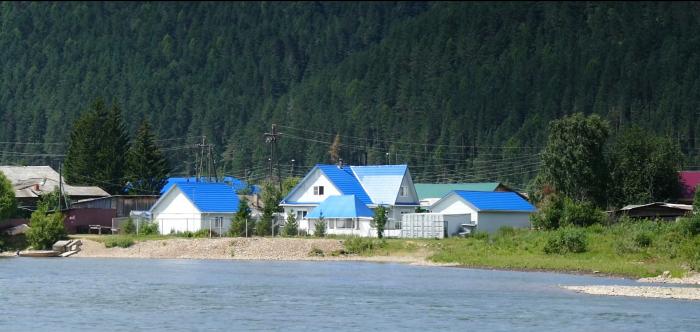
(146,168)
(240,219)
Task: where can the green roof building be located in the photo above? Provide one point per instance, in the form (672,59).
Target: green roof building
(439,190)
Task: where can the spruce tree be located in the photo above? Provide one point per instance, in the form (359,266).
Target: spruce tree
(97,149)
(146,167)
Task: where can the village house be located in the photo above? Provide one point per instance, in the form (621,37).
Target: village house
(387,185)
(429,193)
(30,182)
(190,207)
(486,211)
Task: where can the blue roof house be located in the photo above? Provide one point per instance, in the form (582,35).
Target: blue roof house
(489,211)
(362,187)
(193,206)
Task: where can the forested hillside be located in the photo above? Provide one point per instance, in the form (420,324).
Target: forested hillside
(460,91)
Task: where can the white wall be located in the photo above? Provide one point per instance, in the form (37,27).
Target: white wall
(304,192)
(175,212)
(492,221)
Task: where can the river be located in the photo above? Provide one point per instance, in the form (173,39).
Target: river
(206,295)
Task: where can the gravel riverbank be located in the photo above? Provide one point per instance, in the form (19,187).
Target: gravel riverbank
(242,249)
(686,293)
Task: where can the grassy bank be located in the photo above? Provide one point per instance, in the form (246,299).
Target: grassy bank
(639,249)
(636,250)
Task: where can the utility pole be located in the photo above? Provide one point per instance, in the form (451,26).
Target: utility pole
(271,138)
(200,164)
(60,186)
(292,174)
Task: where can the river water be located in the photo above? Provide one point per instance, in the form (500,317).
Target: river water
(208,295)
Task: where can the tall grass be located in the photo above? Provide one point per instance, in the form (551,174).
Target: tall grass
(634,249)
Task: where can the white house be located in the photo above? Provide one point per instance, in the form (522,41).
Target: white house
(195,206)
(489,211)
(387,185)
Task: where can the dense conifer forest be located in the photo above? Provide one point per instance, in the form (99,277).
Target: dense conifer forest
(459,91)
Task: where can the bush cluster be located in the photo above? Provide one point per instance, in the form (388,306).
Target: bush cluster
(361,245)
(148,228)
(566,240)
(119,241)
(556,212)
(45,229)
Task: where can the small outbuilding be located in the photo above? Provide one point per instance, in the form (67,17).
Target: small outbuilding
(488,211)
(195,206)
(657,210)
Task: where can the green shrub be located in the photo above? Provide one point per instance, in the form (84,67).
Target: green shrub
(581,214)
(689,226)
(316,252)
(119,241)
(566,240)
(549,214)
(45,229)
(291,227)
(361,245)
(320,228)
(643,239)
(204,233)
(128,227)
(148,228)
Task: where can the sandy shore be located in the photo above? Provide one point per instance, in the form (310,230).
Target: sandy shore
(686,293)
(243,249)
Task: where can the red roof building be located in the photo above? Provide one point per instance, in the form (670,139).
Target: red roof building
(689,182)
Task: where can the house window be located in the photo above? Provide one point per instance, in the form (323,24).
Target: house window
(402,191)
(301,215)
(345,223)
(318,190)
(218,222)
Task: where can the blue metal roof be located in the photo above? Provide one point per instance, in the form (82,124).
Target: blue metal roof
(235,183)
(345,181)
(381,182)
(345,206)
(496,201)
(210,197)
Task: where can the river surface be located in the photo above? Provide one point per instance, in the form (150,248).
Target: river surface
(207,295)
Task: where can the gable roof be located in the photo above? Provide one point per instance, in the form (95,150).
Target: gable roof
(381,182)
(377,184)
(210,197)
(689,181)
(495,201)
(344,206)
(33,181)
(438,190)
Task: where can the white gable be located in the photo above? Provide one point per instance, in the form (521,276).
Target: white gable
(453,204)
(304,191)
(174,203)
(410,195)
